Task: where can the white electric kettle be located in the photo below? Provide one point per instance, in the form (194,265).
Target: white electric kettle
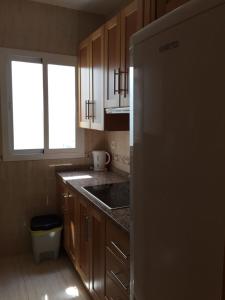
(101,159)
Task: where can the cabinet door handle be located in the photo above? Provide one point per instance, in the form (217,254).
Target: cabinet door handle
(92,111)
(86,228)
(117,279)
(126,82)
(67,195)
(116,73)
(119,74)
(125,89)
(87,109)
(119,250)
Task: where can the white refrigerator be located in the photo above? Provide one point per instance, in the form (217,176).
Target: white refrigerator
(178,170)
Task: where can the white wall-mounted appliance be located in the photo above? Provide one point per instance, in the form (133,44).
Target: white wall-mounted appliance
(178,180)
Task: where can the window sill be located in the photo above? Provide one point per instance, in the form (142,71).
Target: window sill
(23,157)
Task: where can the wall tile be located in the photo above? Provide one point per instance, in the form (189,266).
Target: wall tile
(117,143)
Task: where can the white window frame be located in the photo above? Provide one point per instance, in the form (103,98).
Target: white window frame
(9,154)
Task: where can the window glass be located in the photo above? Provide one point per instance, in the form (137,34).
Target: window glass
(27,102)
(61,106)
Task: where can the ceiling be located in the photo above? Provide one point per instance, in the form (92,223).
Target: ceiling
(105,7)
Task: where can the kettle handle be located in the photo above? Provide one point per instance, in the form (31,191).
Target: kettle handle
(109,158)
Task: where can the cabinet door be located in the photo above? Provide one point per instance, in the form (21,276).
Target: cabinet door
(84,242)
(97,79)
(112,62)
(113,292)
(72,230)
(84,83)
(63,197)
(66,228)
(129,25)
(98,254)
(165,6)
(172,4)
(146,12)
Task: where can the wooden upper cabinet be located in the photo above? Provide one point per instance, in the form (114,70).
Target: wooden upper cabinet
(91,81)
(146,12)
(165,6)
(112,62)
(96,105)
(149,10)
(118,31)
(84,83)
(129,25)
(172,4)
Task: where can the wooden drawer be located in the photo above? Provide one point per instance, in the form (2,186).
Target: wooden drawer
(113,292)
(118,241)
(117,271)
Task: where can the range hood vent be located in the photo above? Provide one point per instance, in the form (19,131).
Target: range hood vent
(118,110)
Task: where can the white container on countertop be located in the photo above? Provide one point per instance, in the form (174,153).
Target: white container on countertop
(101,159)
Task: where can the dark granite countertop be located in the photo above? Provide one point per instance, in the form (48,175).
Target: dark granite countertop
(79,179)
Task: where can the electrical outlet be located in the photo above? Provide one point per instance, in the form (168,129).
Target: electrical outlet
(113,145)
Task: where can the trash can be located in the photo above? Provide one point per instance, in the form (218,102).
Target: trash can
(46,236)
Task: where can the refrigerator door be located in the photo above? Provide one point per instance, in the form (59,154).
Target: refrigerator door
(178,183)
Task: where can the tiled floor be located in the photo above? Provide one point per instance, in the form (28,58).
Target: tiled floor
(22,279)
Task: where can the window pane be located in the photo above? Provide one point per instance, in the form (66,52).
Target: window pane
(61,106)
(27,97)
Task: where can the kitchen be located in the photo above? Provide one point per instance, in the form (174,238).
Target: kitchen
(126,251)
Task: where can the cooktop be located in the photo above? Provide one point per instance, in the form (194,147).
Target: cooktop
(114,195)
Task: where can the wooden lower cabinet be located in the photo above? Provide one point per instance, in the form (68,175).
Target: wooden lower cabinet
(84,250)
(91,253)
(62,192)
(117,262)
(113,292)
(98,254)
(67,209)
(71,232)
(97,247)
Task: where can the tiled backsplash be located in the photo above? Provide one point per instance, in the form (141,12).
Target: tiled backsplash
(117,143)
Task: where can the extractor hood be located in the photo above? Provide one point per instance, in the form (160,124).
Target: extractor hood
(118,110)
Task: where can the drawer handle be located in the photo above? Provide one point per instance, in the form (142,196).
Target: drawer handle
(119,250)
(117,278)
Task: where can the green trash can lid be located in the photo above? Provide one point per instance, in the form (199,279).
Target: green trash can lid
(45,222)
